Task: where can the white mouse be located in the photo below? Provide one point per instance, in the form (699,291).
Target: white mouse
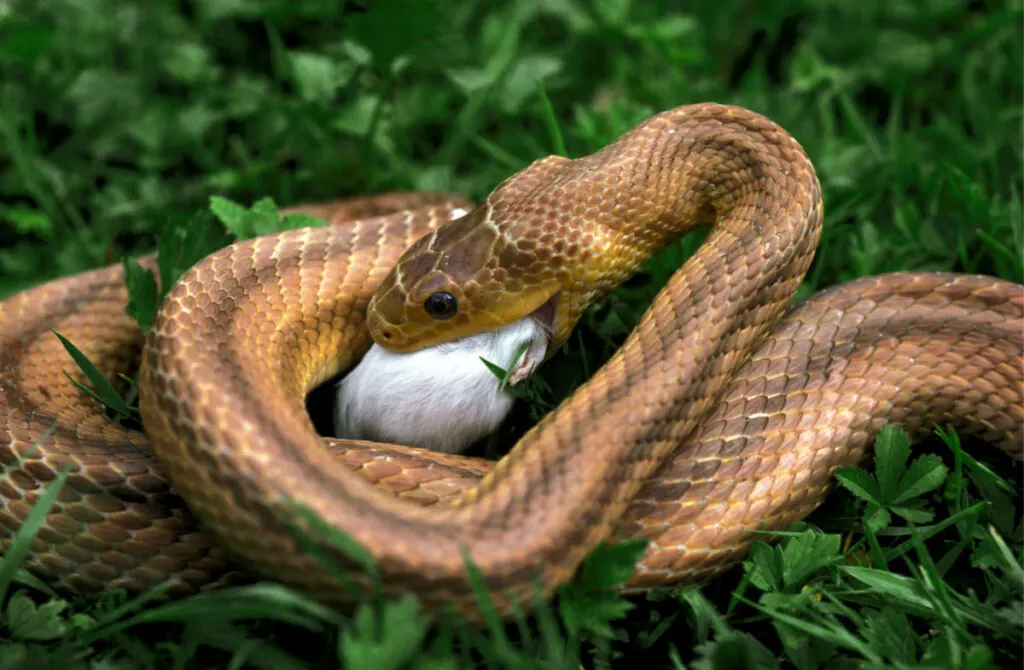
(442,398)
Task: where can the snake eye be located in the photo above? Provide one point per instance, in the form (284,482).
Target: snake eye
(441,305)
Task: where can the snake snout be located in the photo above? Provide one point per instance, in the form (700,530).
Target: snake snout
(381,331)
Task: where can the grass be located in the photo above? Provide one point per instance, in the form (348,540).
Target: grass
(119,122)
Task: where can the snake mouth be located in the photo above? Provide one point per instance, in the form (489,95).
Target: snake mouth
(545,315)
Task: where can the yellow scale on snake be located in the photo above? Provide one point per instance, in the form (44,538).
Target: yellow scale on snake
(726,410)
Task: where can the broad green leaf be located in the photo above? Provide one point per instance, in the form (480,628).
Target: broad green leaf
(397,27)
(526,73)
(22,39)
(388,639)
(924,474)
(806,553)
(180,245)
(765,567)
(472,79)
(860,484)
(610,565)
(294,221)
(28,621)
(143,296)
(263,218)
(595,615)
(188,62)
(16,656)
(913,513)
(317,77)
(877,518)
(231,214)
(703,614)
(29,221)
(892,449)
(888,630)
(734,649)
(590,602)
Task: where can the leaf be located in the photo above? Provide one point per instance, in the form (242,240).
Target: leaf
(526,74)
(765,567)
(391,644)
(27,621)
(244,223)
(396,27)
(472,79)
(860,483)
(188,62)
(180,245)
(230,213)
(913,513)
(15,656)
(807,553)
(22,39)
(823,627)
(503,374)
(27,220)
(877,518)
(100,384)
(924,474)
(888,630)
(316,76)
(734,649)
(143,296)
(703,615)
(892,449)
(295,221)
(610,565)
(591,601)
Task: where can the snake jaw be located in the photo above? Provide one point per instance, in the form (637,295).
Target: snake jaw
(545,314)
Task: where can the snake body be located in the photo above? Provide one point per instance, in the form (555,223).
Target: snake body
(726,410)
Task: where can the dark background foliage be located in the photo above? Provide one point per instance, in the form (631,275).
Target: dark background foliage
(119,118)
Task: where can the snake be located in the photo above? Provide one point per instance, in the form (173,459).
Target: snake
(726,411)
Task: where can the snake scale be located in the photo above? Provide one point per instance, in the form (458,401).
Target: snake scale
(726,410)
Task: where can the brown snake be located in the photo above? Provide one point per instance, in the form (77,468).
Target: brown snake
(726,410)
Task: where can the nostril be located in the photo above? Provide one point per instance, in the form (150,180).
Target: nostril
(386,334)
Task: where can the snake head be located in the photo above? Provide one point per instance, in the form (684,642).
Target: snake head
(467,277)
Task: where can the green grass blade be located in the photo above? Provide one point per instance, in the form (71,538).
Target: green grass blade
(551,122)
(20,547)
(104,390)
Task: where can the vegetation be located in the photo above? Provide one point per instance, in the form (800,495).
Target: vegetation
(130,126)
